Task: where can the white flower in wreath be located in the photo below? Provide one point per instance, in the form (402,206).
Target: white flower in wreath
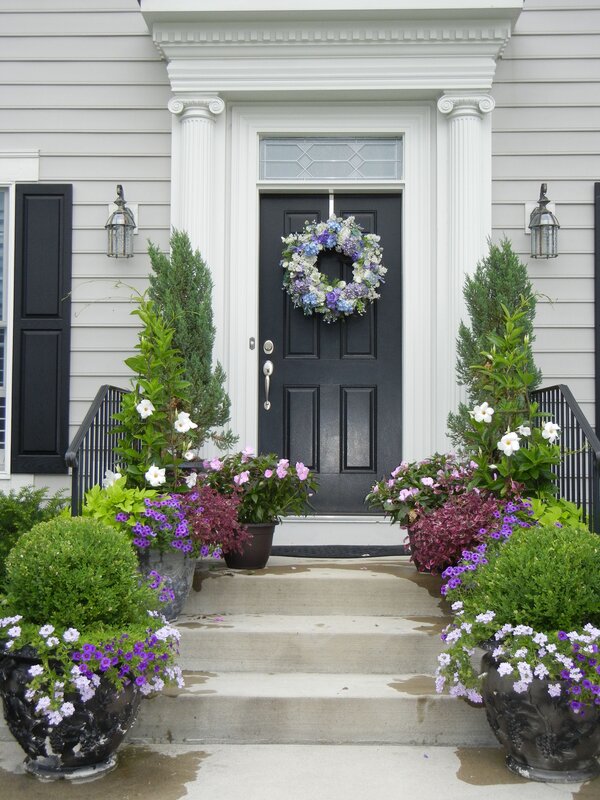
(314,292)
(155,476)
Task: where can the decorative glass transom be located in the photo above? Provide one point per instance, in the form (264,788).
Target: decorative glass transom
(355,159)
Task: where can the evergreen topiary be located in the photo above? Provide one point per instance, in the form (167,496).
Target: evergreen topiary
(76,572)
(500,279)
(181,289)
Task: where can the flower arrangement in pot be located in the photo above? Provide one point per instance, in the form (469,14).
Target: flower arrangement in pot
(531,598)
(81,642)
(268,488)
(414,491)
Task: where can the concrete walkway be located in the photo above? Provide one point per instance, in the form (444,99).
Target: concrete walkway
(293,772)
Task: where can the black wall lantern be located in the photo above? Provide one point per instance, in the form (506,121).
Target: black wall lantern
(120,227)
(544,229)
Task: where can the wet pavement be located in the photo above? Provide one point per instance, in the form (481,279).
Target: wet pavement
(292,772)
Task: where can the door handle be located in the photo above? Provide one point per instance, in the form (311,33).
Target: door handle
(267,372)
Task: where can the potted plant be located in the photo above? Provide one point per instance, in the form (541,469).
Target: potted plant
(414,490)
(267,488)
(531,597)
(81,642)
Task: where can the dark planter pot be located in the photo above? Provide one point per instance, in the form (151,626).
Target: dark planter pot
(82,745)
(177,569)
(256,551)
(544,740)
(414,554)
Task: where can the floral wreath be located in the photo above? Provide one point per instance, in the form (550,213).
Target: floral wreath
(314,292)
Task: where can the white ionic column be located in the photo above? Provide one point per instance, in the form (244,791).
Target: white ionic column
(467,213)
(193,168)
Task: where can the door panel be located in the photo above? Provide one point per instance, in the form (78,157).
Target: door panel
(336,388)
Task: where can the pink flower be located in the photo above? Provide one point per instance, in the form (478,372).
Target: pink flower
(268,473)
(241,478)
(215,464)
(281,471)
(301,471)
(247,453)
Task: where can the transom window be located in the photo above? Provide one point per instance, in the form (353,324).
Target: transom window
(356,159)
(3,205)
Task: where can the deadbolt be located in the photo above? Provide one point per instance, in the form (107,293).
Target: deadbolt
(268,347)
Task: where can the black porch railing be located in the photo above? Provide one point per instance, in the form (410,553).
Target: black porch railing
(90,453)
(579,470)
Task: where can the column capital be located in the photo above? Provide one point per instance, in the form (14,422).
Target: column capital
(472,105)
(204,107)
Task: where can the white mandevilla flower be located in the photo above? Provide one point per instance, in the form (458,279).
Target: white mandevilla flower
(482,413)
(145,408)
(155,476)
(183,423)
(509,443)
(550,432)
(110,478)
(189,455)
(524,430)
(191,480)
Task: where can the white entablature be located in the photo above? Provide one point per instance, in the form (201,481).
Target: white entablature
(249,47)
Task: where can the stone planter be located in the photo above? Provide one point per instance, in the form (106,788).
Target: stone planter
(82,745)
(177,569)
(544,740)
(256,551)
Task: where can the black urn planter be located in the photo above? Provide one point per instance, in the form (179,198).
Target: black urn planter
(80,746)
(177,570)
(256,551)
(543,738)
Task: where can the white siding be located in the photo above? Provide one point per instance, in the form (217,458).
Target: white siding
(546,129)
(83,84)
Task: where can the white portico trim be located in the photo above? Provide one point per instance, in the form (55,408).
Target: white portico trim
(242,70)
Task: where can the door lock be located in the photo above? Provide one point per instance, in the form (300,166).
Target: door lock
(268,347)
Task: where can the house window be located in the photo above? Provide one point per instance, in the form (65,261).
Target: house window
(355,159)
(3,205)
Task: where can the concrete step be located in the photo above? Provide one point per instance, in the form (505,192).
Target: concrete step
(343,530)
(308,708)
(315,643)
(379,587)
(296,772)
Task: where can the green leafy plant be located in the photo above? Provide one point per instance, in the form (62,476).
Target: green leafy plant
(416,488)
(536,600)
(20,510)
(556,511)
(181,290)
(513,454)
(74,601)
(267,486)
(154,423)
(500,279)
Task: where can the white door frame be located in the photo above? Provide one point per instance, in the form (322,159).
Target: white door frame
(239,317)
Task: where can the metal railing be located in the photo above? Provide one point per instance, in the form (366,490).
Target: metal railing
(91,452)
(579,470)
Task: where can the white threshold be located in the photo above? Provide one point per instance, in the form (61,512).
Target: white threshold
(338,530)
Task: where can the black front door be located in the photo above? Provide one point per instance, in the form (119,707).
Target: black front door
(336,389)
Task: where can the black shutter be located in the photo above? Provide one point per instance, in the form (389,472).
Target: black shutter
(42,319)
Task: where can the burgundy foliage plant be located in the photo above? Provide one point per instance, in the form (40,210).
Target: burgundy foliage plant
(438,539)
